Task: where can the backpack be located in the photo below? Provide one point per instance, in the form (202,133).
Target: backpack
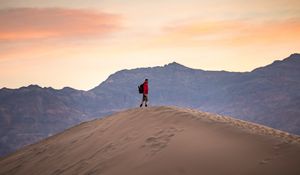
(141,88)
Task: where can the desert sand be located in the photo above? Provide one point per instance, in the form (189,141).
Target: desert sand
(160,141)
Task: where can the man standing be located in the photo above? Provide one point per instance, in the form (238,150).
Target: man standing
(145,93)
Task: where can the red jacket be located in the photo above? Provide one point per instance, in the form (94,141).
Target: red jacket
(145,88)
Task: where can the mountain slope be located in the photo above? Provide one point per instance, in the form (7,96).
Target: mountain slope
(160,140)
(268,95)
(32,113)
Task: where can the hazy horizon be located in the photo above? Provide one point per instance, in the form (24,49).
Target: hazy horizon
(26,85)
(80,43)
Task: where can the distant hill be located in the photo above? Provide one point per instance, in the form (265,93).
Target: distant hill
(268,95)
(160,141)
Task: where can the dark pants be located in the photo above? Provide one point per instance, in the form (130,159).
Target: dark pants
(145,99)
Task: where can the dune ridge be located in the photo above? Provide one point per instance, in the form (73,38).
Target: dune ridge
(250,126)
(160,140)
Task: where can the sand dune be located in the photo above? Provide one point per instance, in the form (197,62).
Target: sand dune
(160,141)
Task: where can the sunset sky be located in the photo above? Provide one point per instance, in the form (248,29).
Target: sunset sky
(80,43)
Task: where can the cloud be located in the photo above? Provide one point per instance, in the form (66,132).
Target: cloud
(22,24)
(233,32)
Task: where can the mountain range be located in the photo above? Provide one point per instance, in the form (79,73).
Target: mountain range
(267,95)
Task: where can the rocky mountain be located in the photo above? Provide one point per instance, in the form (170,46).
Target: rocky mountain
(268,95)
(31,113)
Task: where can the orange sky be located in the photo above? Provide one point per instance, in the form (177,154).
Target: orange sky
(80,43)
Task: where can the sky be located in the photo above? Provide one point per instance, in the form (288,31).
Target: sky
(79,43)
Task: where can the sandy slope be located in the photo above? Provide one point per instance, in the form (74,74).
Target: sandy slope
(160,141)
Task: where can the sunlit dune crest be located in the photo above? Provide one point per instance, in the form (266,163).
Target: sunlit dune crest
(160,141)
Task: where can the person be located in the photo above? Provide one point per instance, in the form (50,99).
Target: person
(145,93)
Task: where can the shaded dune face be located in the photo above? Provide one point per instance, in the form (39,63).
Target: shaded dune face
(161,141)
